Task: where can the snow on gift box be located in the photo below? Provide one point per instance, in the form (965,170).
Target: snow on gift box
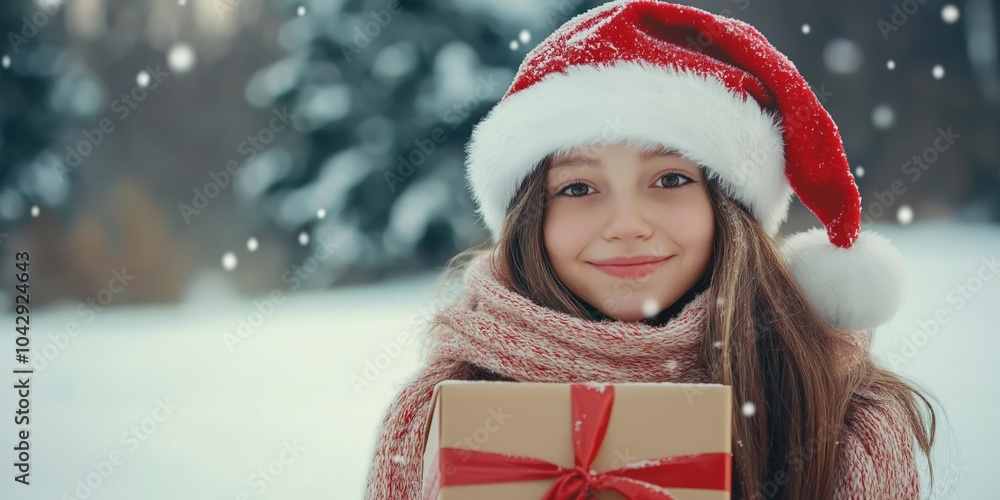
(648,441)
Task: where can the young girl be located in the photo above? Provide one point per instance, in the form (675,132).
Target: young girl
(633,179)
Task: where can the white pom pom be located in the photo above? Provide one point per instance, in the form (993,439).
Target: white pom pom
(856,288)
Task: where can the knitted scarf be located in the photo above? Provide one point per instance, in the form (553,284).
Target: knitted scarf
(492,329)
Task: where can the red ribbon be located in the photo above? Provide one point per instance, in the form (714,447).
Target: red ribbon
(591,411)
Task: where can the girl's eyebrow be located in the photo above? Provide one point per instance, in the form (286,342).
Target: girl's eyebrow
(579,161)
(575,161)
(646,155)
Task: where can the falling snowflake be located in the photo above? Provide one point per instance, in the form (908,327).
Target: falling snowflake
(842,56)
(739,442)
(5,61)
(949,13)
(252,244)
(229,261)
(860,171)
(181,58)
(303,238)
(883,116)
(650,307)
(938,71)
(524,36)
(904,215)
(321,213)
(890,64)
(717,344)
(806,29)
(749,409)
(302,10)
(142,78)
(514,45)
(35,210)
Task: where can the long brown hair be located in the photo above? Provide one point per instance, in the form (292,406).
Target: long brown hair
(763,338)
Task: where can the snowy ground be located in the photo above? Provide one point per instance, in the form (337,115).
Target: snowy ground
(151,403)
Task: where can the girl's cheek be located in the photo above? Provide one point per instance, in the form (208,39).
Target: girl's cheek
(692,225)
(565,231)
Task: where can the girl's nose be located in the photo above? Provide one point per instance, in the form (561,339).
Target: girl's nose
(627,222)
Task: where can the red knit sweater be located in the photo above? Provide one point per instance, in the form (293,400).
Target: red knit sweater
(492,331)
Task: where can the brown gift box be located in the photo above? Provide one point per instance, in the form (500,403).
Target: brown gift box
(648,421)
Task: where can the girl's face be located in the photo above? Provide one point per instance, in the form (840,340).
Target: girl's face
(612,202)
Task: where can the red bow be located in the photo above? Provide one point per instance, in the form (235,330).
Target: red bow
(591,411)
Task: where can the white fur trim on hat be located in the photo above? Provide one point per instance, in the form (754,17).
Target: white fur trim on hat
(696,115)
(856,288)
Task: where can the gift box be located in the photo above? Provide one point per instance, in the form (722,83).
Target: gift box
(503,440)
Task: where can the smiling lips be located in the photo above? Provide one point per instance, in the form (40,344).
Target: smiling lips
(630,267)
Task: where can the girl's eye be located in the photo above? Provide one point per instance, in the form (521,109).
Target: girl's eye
(574,193)
(672,175)
(579,189)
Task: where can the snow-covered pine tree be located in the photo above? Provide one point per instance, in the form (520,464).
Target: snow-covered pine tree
(388,92)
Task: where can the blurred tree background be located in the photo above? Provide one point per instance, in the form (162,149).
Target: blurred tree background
(28,123)
(212,146)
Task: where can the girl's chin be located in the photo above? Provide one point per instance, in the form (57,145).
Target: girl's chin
(630,314)
(630,318)
(634,310)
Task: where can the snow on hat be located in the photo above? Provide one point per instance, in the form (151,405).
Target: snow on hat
(716,91)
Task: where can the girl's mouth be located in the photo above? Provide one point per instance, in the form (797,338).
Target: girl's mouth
(631,271)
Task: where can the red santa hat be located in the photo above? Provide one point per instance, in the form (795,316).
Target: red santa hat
(715,90)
